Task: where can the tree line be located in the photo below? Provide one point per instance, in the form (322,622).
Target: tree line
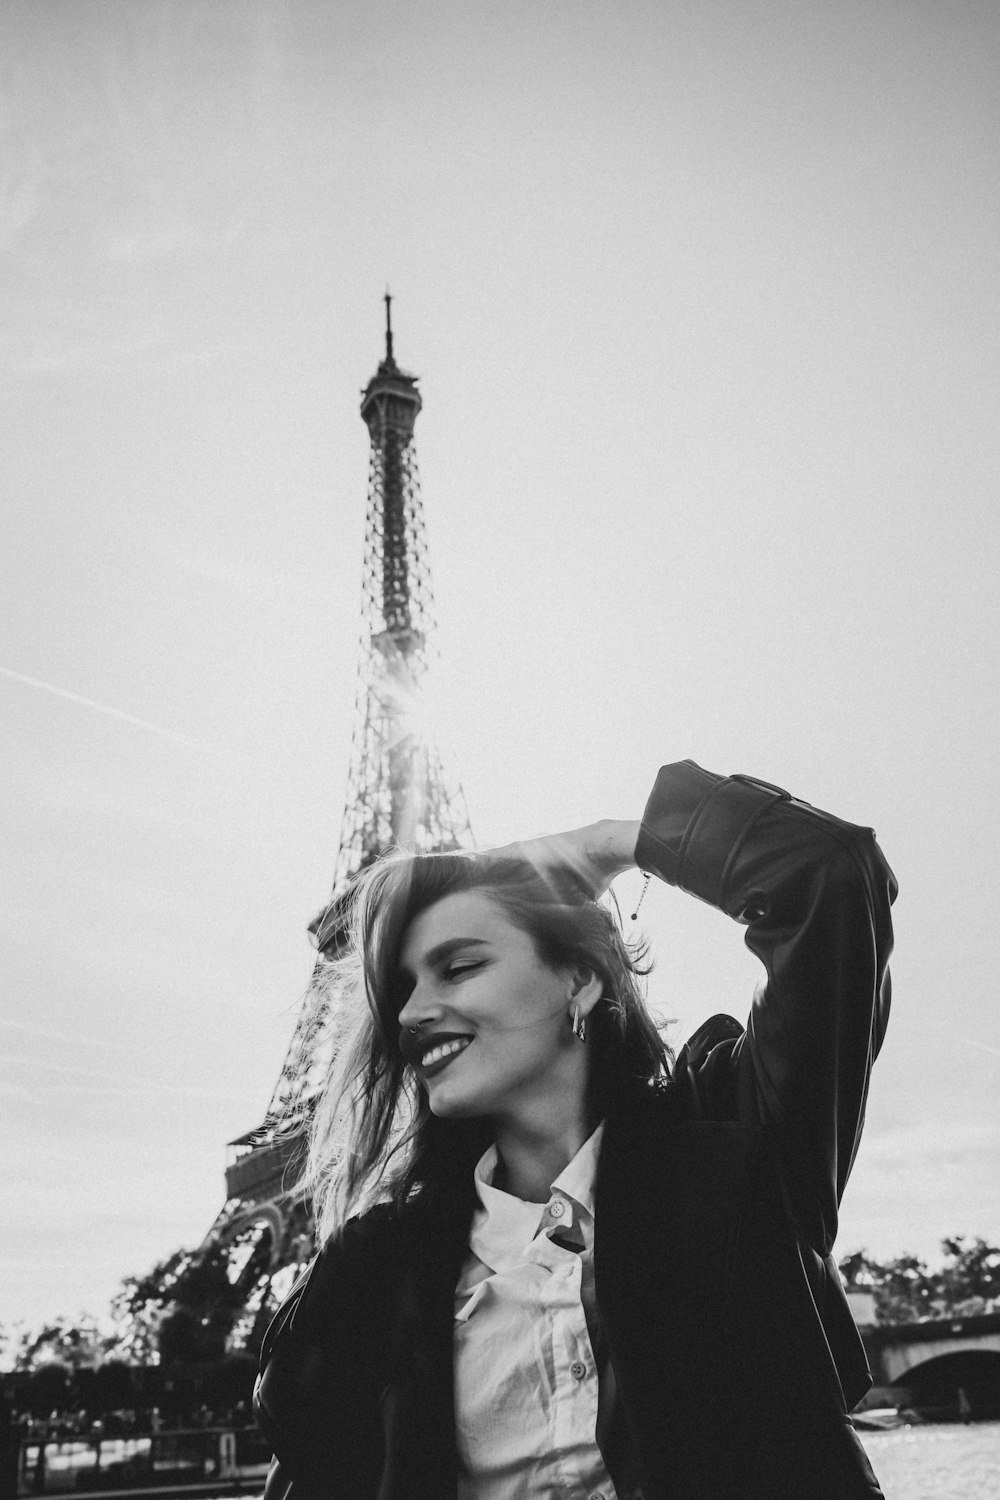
(906,1290)
(182,1340)
(186,1335)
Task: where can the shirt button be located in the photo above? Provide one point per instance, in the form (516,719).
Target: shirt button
(578,1370)
(557,1208)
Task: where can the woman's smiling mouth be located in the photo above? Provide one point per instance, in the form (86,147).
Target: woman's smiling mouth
(441,1054)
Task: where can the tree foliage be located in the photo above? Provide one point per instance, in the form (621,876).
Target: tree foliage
(906,1289)
(199,1305)
(71,1343)
(183,1310)
(197,1308)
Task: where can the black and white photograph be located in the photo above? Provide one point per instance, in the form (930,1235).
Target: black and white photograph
(499,715)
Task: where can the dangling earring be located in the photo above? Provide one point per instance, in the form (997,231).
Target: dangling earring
(579,1025)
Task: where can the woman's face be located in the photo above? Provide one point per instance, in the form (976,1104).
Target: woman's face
(494,1035)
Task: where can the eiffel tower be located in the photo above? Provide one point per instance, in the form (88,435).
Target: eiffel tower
(398,795)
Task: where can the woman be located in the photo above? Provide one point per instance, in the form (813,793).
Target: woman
(597,1272)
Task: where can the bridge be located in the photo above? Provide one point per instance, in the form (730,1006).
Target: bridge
(941,1365)
(907,1346)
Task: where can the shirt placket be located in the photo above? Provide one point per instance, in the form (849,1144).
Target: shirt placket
(576,1378)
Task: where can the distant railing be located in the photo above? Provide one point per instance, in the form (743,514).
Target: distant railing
(171,1460)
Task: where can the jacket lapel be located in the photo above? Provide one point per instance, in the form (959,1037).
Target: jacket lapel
(418,1402)
(669,1200)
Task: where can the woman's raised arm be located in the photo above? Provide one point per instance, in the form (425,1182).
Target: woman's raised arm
(814,893)
(596,854)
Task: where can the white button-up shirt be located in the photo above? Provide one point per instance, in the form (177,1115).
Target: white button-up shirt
(527,1381)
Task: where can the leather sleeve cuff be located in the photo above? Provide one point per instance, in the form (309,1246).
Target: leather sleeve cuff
(693,823)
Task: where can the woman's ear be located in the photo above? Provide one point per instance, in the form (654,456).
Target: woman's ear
(586,988)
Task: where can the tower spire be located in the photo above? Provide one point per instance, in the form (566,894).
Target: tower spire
(388,328)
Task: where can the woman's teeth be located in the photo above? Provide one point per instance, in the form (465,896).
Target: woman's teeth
(446,1049)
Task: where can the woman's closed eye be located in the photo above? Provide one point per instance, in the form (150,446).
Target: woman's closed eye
(457,970)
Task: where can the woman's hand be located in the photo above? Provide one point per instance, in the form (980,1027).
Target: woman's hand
(595,854)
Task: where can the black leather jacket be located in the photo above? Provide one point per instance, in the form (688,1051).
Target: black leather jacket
(716,1202)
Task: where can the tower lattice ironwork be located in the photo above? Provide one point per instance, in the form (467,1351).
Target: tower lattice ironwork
(398,795)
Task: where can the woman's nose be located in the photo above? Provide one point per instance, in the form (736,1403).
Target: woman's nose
(417,1010)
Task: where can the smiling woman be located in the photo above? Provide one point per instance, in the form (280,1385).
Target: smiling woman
(498,957)
(556,1261)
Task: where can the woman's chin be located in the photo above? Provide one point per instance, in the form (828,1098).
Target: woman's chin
(452,1109)
(450,1103)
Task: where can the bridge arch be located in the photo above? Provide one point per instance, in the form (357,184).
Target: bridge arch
(898,1358)
(961,1382)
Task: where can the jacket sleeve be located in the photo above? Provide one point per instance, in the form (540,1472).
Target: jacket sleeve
(814,893)
(316,1396)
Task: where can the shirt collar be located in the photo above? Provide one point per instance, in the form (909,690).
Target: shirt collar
(576,1180)
(504,1226)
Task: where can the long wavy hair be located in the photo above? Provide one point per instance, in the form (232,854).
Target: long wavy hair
(372,1135)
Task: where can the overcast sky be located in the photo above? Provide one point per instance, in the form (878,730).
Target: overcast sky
(702,297)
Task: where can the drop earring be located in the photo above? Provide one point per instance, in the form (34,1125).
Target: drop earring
(579,1024)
